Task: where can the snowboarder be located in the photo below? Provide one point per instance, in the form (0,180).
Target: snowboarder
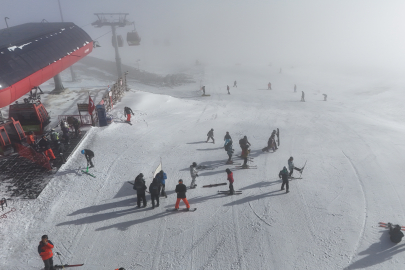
(154,189)
(295,88)
(325,96)
(76,125)
(181,190)
(229,151)
(283,174)
(269,86)
(140,187)
(203,89)
(45,146)
(128,112)
(303,96)
(210,135)
(227,138)
(291,166)
(194,174)
(45,251)
(395,233)
(89,155)
(227,88)
(230,179)
(234,84)
(162,178)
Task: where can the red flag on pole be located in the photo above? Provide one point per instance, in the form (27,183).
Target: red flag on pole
(91,105)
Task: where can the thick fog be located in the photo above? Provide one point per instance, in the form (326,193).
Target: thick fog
(358,34)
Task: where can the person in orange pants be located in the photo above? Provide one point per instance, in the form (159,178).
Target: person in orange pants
(128,112)
(45,145)
(181,190)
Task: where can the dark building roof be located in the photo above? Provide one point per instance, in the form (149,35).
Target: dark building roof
(27,48)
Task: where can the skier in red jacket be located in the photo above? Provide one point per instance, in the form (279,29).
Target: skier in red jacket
(45,251)
(230,179)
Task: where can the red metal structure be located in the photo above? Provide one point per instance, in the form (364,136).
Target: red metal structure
(33,53)
(32,116)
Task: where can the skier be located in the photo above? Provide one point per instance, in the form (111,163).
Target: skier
(395,233)
(227,88)
(269,86)
(230,179)
(291,166)
(140,187)
(272,141)
(303,96)
(154,189)
(245,154)
(203,89)
(128,112)
(234,84)
(325,96)
(162,178)
(227,138)
(45,146)
(194,174)
(244,142)
(45,251)
(283,174)
(76,125)
(295,88)
(89,155)
(229,151)
(181,190)
(210,135)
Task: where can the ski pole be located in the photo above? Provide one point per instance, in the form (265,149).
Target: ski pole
(57,253)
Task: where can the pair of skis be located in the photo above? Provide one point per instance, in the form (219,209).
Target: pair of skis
(182,210)
(385,225)
(215,185)
(227,192)
(87,172)
(66,266)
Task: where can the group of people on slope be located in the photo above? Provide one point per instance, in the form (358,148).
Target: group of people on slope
(156,188)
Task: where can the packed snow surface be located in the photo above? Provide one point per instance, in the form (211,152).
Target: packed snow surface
(353,144)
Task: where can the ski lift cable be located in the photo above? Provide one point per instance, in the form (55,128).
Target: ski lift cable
(103,35)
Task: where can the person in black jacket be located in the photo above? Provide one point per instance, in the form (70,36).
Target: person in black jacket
(395,233)
(89,155)
(45,145)
(210,135)
(140,187)
(154,190)
(128,112)
(181,190)
(76,126)
(284,176)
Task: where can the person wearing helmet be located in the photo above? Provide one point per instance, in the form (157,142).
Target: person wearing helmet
(283,174)
(194,174)
(210,135)
(230,179)
(244,142)
(89,155)
(45,146)
(162,179)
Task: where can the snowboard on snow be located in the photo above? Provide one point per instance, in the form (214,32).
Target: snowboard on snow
(205,95)
(227,192)
(66,266)
(182,210)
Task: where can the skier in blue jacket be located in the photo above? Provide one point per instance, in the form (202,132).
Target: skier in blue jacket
(162,178)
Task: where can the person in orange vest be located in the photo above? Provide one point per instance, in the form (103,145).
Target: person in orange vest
(31,139)
(181,190)
(45,145)
(45,251)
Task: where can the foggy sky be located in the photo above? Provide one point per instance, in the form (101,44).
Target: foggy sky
(282,32)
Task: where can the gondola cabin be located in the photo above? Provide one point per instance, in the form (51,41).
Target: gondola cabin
(133,38)
(11,132)
(32,116)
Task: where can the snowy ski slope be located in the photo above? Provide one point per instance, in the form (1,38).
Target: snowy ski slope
(353,144)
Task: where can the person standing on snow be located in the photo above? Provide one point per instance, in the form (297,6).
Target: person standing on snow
(210,135)
(227,88)
(272,141)
(234,84)
(127,113)
(76,126)
(325,96)
(194,174)
(227,138)
(295,88)
(88,155)
(230,179)
(162,178)
(269,86)
(154,189)
(203,89)
(303,96)
(181,190)
(45,251)
(244,142)
(140,187)
(291,166)
(229,151)
(395,233)
(284,176)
